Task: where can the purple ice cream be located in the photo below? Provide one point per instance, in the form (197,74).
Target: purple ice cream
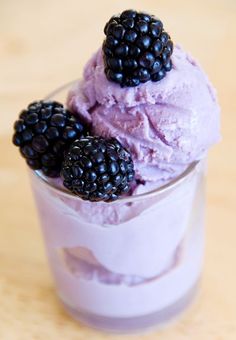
(166,125)
(123,261)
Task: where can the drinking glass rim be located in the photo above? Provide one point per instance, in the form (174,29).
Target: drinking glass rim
(149,194)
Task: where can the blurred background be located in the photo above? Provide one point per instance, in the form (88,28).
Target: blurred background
(44,44)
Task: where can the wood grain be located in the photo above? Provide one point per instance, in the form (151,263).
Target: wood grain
(45,44)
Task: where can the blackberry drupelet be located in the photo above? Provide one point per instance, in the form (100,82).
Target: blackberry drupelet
(136,49)
(97,169)
(43,132)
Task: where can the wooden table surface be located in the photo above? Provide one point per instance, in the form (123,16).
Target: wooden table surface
(44,44)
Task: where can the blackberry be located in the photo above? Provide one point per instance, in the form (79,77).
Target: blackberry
(136,49)
(97,169)
(43,132)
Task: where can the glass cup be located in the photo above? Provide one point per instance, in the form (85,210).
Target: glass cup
(129,265)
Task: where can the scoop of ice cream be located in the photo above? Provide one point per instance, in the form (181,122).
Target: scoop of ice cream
(166,125)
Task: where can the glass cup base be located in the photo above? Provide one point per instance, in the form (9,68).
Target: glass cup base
(140,324)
